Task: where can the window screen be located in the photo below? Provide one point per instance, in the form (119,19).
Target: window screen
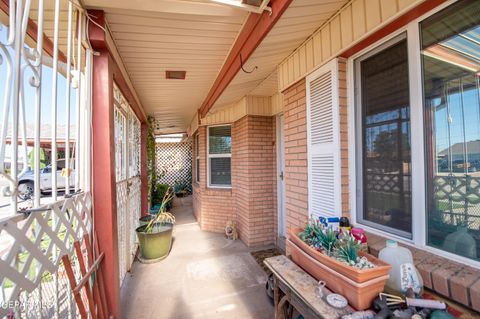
(219,155)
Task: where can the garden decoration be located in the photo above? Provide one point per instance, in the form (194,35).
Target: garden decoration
(335,257)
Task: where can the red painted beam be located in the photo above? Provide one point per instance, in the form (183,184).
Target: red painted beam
(396,24)
(103,170)
(252,34)
(32,30)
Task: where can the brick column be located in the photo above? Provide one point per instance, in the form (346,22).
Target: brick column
(296,167)
(254,187)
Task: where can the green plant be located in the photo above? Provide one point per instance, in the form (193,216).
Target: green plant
(162,217)
(311,233)
(158,193)
(347,249)
(328,239)
(151,178)
(319,236)
(183,186)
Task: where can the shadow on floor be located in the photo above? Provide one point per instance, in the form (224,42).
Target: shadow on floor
(205,276)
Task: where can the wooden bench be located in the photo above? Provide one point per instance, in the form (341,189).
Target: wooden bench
(295,289)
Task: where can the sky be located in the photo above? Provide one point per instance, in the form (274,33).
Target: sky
(46,93)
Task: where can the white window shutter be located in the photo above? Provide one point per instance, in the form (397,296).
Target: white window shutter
(323,140)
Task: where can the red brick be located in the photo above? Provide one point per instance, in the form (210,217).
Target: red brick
(461,282)
(441,276)
(475,295)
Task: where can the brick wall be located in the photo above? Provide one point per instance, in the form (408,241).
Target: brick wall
(343,111)
(253,192)
(212,207)
(296,179)
(296,161)
(254,181)
(251,201)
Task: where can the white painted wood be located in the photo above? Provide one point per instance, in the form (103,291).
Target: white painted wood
(323,140)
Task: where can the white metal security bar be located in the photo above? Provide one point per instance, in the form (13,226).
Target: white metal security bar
(127,158)
(37,229)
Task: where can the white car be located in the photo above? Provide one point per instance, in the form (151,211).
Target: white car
(26,183)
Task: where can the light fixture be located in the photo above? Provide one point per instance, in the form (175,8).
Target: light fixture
(255,6)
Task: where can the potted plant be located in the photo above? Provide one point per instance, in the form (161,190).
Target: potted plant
(155,237)
(336,259)
(182,188)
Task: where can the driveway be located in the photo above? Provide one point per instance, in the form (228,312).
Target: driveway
(205,276)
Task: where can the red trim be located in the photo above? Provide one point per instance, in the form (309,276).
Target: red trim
(98,41)
(253,32)
(32,33)
(396,24)
(103,170)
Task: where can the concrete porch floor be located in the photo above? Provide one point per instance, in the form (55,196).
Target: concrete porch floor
(205,276)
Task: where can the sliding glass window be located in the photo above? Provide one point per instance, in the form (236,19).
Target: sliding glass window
(451,67)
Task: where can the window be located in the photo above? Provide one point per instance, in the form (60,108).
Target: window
(384,131)
(219,156)
(197,158)
(451,64)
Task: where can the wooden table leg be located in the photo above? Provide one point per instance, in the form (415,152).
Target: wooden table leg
(276,296)
(281,308)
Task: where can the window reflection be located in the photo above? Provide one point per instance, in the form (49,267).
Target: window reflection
(451,65)
(385,126)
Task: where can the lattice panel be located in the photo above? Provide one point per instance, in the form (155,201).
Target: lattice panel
(390,183)
(122,211)
(134,131)
(135,191)
(30,257)
(173,162)
(460,196)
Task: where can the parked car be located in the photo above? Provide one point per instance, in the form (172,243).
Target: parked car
(26,183)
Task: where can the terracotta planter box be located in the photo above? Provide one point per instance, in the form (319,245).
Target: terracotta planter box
(360,287)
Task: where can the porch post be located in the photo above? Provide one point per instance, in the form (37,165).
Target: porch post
(143,168)
(103,168)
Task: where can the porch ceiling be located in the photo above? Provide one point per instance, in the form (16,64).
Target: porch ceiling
(195,36)
(153,36)
(298,22)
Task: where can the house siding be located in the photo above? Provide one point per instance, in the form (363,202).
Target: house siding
(352,23)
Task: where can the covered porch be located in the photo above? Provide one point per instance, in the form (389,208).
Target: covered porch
(205,276)
(291,110)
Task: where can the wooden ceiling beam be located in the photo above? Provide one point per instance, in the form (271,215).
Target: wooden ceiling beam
(252,34)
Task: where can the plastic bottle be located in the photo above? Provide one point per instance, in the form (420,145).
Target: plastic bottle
(462,243)
(403,274)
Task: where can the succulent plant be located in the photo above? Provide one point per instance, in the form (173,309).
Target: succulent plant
(347,250)
(327,239)
(311,233)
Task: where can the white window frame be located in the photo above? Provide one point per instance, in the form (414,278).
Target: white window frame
(224,155)
(197,157)
(419,211)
